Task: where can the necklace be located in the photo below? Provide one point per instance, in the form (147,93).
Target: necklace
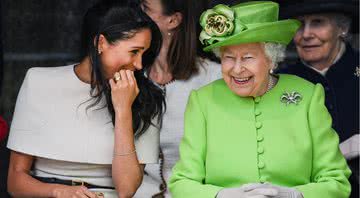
(272,83)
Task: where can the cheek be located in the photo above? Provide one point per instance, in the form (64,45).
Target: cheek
(226,67)
(297,37)
(260,70)
(113,63)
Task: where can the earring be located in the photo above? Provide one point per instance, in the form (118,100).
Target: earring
(343,34)
(169,33)
(271,71)
(99,52)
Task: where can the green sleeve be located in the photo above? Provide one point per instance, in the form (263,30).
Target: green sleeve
(188,175)
(330,172)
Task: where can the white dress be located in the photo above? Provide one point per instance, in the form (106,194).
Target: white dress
(52,123)
(177,94)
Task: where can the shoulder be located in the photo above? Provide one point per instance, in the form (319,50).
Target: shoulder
(209,68)
(208,63)
(40,81)
(295,68)
(300,85)
(40,75)
(214,88)
(294,80)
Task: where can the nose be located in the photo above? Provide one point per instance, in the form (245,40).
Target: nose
(306,31)
(138,63)
(239,66)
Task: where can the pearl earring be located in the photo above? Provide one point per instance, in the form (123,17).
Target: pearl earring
(169,33)
(99,52)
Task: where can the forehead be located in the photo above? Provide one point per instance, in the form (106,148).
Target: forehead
(243,48)
(142,38)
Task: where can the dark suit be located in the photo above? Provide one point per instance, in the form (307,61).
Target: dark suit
(342,98)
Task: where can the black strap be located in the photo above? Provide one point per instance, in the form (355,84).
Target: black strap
(53,180)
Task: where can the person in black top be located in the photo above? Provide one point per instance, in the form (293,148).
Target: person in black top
(325,57)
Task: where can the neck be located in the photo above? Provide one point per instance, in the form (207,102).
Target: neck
(160,71)
(270,83)
(83,70)
(326,63)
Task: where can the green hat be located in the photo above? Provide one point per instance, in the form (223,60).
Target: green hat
(248,22)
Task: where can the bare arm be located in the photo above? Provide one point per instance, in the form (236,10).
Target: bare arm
(127,173)
(22,184)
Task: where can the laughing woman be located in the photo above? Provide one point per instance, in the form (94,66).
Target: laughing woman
(85,130)
(252,133)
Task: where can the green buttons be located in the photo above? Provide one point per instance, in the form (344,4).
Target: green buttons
(258,125)
(260,137)
(261,165)
(262,180)
(257,112)
(257,99)
(260,150)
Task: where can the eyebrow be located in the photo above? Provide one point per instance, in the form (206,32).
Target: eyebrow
(138,47)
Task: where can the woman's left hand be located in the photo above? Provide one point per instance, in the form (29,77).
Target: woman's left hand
(124,90)
(284,192)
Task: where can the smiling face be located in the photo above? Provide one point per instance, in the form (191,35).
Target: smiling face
(245,69)
(124,54)
(318,40)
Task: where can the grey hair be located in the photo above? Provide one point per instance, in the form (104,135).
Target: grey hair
(343,22)
(217,52)
(274,51)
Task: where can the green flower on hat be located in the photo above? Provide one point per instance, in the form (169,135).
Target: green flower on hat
(248,22)
(216,23)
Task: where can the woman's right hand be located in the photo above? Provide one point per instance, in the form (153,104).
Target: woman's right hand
(62,191)
(124,90)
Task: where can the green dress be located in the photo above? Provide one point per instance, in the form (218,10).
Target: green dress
(231,140)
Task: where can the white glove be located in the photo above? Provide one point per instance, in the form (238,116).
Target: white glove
(247,191)
(350,147)
(283,192)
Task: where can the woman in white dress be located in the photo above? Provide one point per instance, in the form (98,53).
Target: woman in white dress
(180,67)
(86,130)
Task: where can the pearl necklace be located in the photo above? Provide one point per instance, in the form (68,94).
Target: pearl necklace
(272,83)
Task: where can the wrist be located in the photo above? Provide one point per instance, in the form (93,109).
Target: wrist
(123,111)
(54,190)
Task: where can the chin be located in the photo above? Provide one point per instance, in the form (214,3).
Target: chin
(241,93)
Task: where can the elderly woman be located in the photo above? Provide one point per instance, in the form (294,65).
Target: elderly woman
(325,58)
(252,133)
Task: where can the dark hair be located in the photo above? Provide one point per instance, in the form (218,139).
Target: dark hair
(120,21)
(185,46)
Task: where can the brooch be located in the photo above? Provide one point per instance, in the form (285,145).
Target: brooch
(291,98)
(357,72)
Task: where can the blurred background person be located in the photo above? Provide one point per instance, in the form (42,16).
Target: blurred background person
(327,58)
(180,67)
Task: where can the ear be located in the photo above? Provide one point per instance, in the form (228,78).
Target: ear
(103,43)
(174,20)
(343,31)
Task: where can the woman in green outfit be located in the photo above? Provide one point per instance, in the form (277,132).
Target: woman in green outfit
(253,133)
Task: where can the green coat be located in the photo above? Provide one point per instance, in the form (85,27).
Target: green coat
(231,140)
